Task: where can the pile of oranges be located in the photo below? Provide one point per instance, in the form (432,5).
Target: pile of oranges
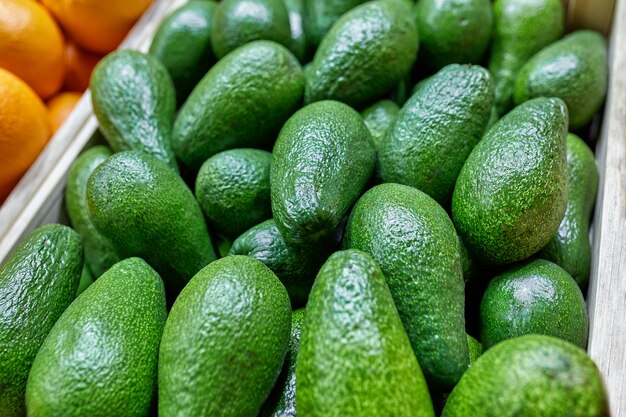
(48,49)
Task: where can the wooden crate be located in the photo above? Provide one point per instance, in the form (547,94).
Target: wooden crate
(38,199)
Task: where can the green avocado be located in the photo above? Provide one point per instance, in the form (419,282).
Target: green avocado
(475,349)
(224,342)
(134,101)
(521,29)
(530,376)
(355,358)
(86,279)
(319,17)
(323,159)
(511,194)
(378,118)
(241,102)
(295,9)
(574,69)
(99,252)
(238,22)
(453,31)
(183,45)
(413,240)
(145,209)
(364,55)
(233,190)
(436,130)
(538,297)
(101,356)
(570,247)
(37,283)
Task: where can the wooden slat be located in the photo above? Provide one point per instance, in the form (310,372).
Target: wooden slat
(607,291)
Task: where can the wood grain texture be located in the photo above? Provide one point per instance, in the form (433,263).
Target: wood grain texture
(590,14)
(607,290)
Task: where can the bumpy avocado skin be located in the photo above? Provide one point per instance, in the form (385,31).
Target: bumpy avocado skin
(570,247)
(37,283)
(319,16)
(242,102)
(521,29)
(323,159)
(378,118)
(101,354)
(413,240)
(538,297)
(511,194)
(355,358)
(436,130)
(574,69)
(134,101)
(224,342)
(364,55)
(145,209)
(530,376)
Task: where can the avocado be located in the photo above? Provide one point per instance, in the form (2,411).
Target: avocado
(237,22)
(37,283)
(455,31)
(355,358)
(364,55)
(86,279)
(570,247)
(475,349)
(183,45)
(493,118)
(99,252)
(282,400)
(414,242)
(378,117)
(295,10)
(224,341)
(574,69)
(102,353)
(134,101)
(530,376)
(323,159)
(511,194)
(295,266)
(241,102)
(233,190)
(521,29)
(436,130)
(537,297)
(146,210)
(319,16)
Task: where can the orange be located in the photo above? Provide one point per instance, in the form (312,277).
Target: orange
(97,25)
(31,45)
(60,107)
(24,129)
(79,65)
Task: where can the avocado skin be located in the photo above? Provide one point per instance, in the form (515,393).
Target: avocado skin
(233,190)
(538,297)
(146,210)
(237,22)
(521,29)
(454,31)
(183,45)
(364,55)
(295,266)
(241,102)
(378,118)
(475,349)
(511,194)
(86,279)
(573,69)
(99,252)
(295,9)
(102,353)
(282,400)
(355,358)
(323,159)
(570,247)
(134,101)
(37,283)
(224,341)
(530,376)
(319,16)
(413,240)
(436,130)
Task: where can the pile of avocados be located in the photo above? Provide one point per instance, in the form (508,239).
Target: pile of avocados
(333,208)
